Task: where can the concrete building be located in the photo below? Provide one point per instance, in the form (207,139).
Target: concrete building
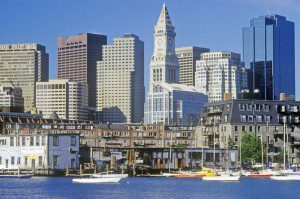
(67,98)
(11,99)
(120,81)
(77,60)
(40,150)
(264,118)
(187,57)
(269,52)
(22,65)
(218,73)
(168,101)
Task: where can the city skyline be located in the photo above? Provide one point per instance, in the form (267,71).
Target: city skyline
(199,31)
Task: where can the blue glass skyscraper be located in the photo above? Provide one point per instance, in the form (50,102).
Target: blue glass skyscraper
(269,54)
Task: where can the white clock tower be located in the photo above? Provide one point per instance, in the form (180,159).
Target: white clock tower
(164,67)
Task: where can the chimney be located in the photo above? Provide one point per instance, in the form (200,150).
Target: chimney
(282,97)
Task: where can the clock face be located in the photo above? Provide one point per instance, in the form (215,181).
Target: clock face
(159,42)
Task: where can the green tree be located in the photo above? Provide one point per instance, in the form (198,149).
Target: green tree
(251,148)
(230,143)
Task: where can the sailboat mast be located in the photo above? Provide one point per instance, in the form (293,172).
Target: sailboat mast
(284,129)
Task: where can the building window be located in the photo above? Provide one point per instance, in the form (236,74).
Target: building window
(25,160)
(0,160)
(23,141)
(235,128)
(55,160)
(19,161)
(31,141)
(40,161)
(268,118)
(257,107)
(55,141)
(12,160)
(250,128)
(267,107)
(250,118)
(242,107)
(249,107)
(73,140)
(43,140)
(258,118)
(37,141)
(11,140)
(243,118)
(243,128)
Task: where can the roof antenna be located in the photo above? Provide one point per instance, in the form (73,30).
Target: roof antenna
(268,12)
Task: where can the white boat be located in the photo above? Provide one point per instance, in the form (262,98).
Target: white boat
(110,175)
(286,177)
(167,174)
(96,180)
(23,176)
(223,177)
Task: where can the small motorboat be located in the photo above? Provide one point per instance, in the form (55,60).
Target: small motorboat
(110,175)
(260,175)
(286,177)
(19,176)
(96,180)
(223,177)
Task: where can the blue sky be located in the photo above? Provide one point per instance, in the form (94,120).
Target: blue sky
(215,24)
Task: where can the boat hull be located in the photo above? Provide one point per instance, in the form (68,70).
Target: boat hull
(17,176)
(221,178)
(110,175)
(260,175)
(96,180)
(188,175)
(288,177)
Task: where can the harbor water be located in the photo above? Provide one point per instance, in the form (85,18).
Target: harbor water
(62,187)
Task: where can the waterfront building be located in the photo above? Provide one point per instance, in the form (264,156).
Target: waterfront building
(120,81)
(11,99)
(22,65)
(41,150)
(77,60)
(218,73)
(264,118)
(269,51)
(168,101)
(187,57)
(67,98)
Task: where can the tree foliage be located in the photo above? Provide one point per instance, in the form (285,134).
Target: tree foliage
(251,148)
(230,143)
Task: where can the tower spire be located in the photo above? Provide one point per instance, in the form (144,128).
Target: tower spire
(164,17)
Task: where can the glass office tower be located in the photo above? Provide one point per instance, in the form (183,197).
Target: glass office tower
(269,53)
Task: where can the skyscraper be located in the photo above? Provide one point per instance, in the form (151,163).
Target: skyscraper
(168,101)
(68,99)
(269,51)
(22,65)
(218,73)
(77,60)
(120,81)
(187,57)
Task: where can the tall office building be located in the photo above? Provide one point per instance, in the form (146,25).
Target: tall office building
(168,101)
(218,73)
(269,51)
(22,65)
(187,57)
(11,99)
(120,86)
(77,60)
(67,98)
